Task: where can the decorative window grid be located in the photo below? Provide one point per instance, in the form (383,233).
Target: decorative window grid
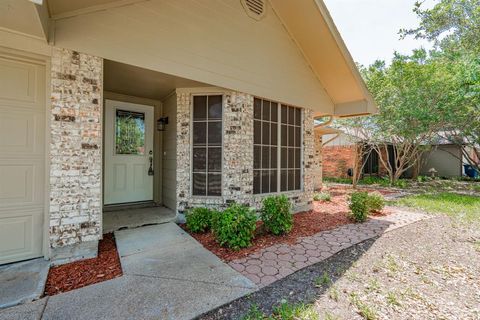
(277,147)
(207,145)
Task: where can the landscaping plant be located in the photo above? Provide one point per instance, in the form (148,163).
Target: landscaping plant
(322,196)
(234,228)
(358,204)
(199,219)
(277,214)
(375,202)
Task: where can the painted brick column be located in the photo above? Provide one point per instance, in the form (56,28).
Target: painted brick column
(183,151)
(238,148)
(318,160)
(75,155)
(310,161)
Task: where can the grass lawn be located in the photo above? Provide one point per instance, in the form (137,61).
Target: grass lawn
(285,311)
(464,208)
(370,180)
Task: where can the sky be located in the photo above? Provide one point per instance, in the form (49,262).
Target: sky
(370,27)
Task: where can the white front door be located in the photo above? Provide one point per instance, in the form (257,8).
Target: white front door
(128,152)
(22,158)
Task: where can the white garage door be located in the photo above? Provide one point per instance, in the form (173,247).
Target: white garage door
(22,158)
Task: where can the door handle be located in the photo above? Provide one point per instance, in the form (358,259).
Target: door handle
(150,158)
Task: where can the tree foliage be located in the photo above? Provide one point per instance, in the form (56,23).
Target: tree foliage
(428,94)
(413,94)
(449,24)
(454,27)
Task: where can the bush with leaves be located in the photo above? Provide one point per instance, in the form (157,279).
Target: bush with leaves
(358,204)
(199,219)
(375,202)
(277,214)
(235,226)
(322,196)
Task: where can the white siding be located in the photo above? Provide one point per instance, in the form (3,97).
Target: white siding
(170,152)
(211,41)
(341,141)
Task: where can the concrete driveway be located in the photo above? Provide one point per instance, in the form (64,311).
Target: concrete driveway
(167,275)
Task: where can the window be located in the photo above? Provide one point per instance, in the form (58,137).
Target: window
(290,157)
(129,132)
(207,145)
(371,163)
(277,147)
(265,146)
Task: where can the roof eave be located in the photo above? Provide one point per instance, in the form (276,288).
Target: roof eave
(329,59)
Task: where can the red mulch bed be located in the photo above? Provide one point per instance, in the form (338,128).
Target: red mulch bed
(86,272)
(324,216)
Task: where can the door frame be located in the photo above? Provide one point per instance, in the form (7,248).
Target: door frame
(156,142)
(44,60)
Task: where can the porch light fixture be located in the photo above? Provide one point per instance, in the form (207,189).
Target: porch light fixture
(161,123)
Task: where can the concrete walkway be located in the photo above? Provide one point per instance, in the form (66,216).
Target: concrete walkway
(167,275)
(278,261)
(114,220)
(22,282)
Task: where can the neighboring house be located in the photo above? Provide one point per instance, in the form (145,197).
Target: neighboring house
(177,103)
(339,149)
(447,159)
(339,154)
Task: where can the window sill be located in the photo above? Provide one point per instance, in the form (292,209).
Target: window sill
(278,193)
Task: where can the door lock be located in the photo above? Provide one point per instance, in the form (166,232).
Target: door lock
(150,158)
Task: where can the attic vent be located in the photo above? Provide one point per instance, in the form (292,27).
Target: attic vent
(255,9)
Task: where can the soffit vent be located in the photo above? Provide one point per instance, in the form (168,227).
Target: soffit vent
(255,9)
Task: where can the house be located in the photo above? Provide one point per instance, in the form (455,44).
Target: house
(340,146)
(107,103)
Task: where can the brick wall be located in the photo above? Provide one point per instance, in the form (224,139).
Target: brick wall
(336,160)
(237,156)
(75,155)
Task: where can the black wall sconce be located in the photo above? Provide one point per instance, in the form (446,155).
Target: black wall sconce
(161,123)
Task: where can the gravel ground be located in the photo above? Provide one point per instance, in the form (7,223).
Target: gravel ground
(427,270)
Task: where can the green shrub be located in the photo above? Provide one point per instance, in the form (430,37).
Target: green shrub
(322,196)
(337,180)
(375,202)
(277,215)
(423,179)
(199,219)
(373,180)
(358,205)
(235,227)
(401,183)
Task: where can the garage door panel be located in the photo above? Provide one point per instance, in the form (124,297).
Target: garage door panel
(22,158)
(21,132)
(18,229)
(19,190)
(18,80)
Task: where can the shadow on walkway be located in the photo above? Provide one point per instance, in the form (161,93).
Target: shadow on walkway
(300,287)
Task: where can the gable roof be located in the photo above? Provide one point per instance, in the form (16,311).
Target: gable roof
(293,55)
(329,57)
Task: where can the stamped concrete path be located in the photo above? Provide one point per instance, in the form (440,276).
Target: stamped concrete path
(280,260)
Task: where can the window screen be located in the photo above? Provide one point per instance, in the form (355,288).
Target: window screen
(277,147)
(207,145)
(265,145)
(290,154)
